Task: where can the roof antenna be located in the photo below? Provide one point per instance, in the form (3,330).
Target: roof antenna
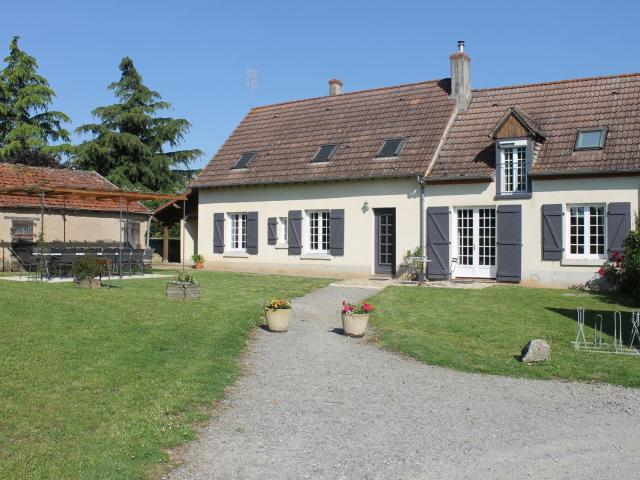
(252,82)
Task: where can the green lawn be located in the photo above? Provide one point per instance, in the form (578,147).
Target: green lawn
(485,330)
(97,384)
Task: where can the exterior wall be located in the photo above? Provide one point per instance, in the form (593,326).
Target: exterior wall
(188,238)
(277,200)
(75,227)
(535,271)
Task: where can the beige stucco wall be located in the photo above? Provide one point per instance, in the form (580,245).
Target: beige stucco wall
(75,227)
(558,191)
(276,201)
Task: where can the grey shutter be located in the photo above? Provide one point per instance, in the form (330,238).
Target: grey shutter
(218,232)
(295,232)
(498,169)
(272,230)
(252,233)
(552,232)
(438,243)
(509,243)
(336,229)
(618,227)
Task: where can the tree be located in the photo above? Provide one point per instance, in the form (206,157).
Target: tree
(128,144)
(27,126)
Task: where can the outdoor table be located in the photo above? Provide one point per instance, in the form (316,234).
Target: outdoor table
(424,260)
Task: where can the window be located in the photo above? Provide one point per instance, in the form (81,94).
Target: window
(513,168)
(590,139)
(391,147)
(245,160)
(21,230)
(132,233)
(324,154)
(238,233)
(319,233)
(586,231)
(282,230)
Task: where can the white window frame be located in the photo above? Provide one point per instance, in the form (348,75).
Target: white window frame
(282,230)
(323,226)
(237,245)
(517,167)
(586,233)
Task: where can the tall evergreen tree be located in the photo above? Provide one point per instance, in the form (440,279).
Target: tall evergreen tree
(129,142)
(27,126)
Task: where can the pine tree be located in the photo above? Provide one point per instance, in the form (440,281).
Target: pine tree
(27,126)
(129,142)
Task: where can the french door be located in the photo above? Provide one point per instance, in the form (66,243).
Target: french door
(385,241)
(476,242)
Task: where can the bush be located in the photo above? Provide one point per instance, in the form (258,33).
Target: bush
(624,270)
(411,269)
(84,268)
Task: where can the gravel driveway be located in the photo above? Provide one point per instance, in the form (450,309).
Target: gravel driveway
(315,404)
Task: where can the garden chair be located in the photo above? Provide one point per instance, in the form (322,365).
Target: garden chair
(64,262)
(137,260)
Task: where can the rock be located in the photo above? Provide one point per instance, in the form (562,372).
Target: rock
(536,351)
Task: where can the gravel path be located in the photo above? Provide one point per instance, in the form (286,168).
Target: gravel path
(315,404)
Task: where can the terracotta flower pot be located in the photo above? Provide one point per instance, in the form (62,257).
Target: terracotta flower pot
(355,325)
(278,320)
(198,265)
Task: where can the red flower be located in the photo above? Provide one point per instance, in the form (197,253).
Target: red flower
(601,272)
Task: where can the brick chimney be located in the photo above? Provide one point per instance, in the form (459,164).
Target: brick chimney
(461,77)
(335,87)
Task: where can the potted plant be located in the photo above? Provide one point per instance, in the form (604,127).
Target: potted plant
(87,272)
(183,287)
(355,317)
(278,313)
(198,261)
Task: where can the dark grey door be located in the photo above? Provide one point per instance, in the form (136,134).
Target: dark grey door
(385,232)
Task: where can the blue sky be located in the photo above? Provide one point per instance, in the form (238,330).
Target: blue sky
(196,53)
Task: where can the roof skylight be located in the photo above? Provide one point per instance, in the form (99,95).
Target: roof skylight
(245,160)
(391,147)
(325,152)
(590,139)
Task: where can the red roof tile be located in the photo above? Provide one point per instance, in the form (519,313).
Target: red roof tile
(26,176)
(286,136)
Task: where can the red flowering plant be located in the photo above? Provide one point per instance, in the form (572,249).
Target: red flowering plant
(623,271)
(278,304)
(357,308)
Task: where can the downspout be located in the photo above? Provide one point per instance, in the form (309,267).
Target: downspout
(423,251)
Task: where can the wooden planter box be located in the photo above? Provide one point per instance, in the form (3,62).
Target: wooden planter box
(183,292)
(88,283)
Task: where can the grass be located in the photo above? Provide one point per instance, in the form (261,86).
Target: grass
(484,331)
(99,383)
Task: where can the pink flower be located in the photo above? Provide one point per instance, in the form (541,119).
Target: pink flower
(601,272)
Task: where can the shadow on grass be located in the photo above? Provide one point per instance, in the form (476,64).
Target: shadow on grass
(591,319)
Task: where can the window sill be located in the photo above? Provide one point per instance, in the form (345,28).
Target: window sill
(235,254)
(582,262)
(281,246)
(315,256)
(513,196)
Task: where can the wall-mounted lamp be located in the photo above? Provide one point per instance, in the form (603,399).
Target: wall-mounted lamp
(365,207)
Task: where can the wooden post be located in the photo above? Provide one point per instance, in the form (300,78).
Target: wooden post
(165,243)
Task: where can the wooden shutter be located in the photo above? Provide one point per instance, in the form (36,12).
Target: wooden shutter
(336,229)
(618,227)
(295,232)
(552,245)
(509,243)
(252,233)
(272,230)
(438,243)
(218,232)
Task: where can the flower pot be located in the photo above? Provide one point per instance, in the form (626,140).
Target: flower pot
(355,325)
(88,283)
(198,265)
(278,320)
(182,292)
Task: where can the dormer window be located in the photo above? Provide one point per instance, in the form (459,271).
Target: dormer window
(513,174)
(590,139)
(391,147)
(244,161)
(325,152)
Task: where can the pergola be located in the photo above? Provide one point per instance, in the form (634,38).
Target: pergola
(124,198)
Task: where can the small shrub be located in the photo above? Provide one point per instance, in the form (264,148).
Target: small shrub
(357,308)
(278,304)
(623,271)
(182,280)
(85,268)
(411,269)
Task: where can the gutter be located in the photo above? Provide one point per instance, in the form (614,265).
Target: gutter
(575,173)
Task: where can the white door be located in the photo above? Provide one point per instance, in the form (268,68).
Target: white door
(476,242)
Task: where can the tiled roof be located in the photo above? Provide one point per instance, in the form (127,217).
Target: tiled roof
(26,176)
(287,136)
(559,109)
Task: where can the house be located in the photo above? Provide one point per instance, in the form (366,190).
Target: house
(534,183)
(68,218)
